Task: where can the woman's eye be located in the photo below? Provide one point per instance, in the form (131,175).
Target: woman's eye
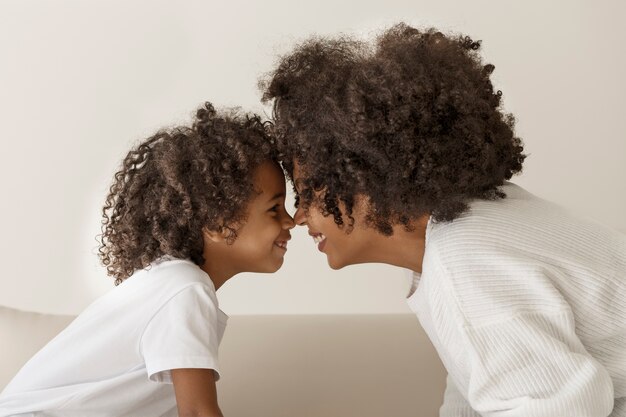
(275,208)
(297,202)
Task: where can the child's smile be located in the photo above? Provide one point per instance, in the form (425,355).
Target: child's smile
(261,241)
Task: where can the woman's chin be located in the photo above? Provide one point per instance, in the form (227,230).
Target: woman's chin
(333,263)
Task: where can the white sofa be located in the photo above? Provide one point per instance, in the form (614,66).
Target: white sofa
(293,366)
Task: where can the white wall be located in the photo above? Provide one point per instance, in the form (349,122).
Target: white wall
(80,81)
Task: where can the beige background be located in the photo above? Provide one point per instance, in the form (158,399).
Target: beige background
(80,81)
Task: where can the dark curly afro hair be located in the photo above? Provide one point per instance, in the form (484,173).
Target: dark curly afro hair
(178,182)
(410,121)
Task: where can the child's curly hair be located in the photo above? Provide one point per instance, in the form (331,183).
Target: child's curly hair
(412,122)
(178,182)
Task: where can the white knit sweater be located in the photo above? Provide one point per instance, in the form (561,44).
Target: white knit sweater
(526,306)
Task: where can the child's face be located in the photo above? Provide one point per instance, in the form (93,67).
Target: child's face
(261,242)
(341,248)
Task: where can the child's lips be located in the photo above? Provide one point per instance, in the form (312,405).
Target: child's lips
(281,244)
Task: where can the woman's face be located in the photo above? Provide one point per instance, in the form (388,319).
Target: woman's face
(341,248)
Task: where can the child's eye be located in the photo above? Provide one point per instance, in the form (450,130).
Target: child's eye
(275,208)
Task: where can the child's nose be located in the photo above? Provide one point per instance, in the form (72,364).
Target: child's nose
(288,223)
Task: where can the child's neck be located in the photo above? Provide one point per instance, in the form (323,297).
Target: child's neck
(218,273)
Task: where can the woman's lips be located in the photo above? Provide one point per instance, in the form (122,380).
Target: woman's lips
(320,239)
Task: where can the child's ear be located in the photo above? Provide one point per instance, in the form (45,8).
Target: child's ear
(215,236)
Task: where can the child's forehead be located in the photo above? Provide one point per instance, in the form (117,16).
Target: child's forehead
(269,179)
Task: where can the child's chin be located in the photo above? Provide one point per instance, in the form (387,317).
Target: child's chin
(270,269)
(280,264)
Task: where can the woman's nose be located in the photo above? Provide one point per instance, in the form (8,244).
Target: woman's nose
(299,217)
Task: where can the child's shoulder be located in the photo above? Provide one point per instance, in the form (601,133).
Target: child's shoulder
(171,273)
(183,270)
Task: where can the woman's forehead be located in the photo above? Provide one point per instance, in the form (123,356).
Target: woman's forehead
(297,174)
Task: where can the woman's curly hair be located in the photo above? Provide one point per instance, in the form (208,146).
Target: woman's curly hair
(178,182)
(411,121)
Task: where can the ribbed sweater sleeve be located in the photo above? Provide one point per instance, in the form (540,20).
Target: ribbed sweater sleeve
(454,404)
(533,365)
(530,364)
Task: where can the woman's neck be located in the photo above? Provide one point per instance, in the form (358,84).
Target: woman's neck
(403,248)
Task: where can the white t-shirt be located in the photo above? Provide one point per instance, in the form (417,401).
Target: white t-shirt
(115,359)
(526,306)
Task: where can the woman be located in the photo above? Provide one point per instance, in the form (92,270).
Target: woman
(399,153)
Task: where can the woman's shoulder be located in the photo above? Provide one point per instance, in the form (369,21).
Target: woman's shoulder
(491,222)
(490,229)
(475,226)
(521,239)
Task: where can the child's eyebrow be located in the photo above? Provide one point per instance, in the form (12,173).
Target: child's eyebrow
(279,195)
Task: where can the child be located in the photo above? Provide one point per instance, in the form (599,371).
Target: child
(189,209)
(399,153)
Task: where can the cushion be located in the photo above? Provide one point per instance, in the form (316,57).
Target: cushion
(292,365)
(23,334)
